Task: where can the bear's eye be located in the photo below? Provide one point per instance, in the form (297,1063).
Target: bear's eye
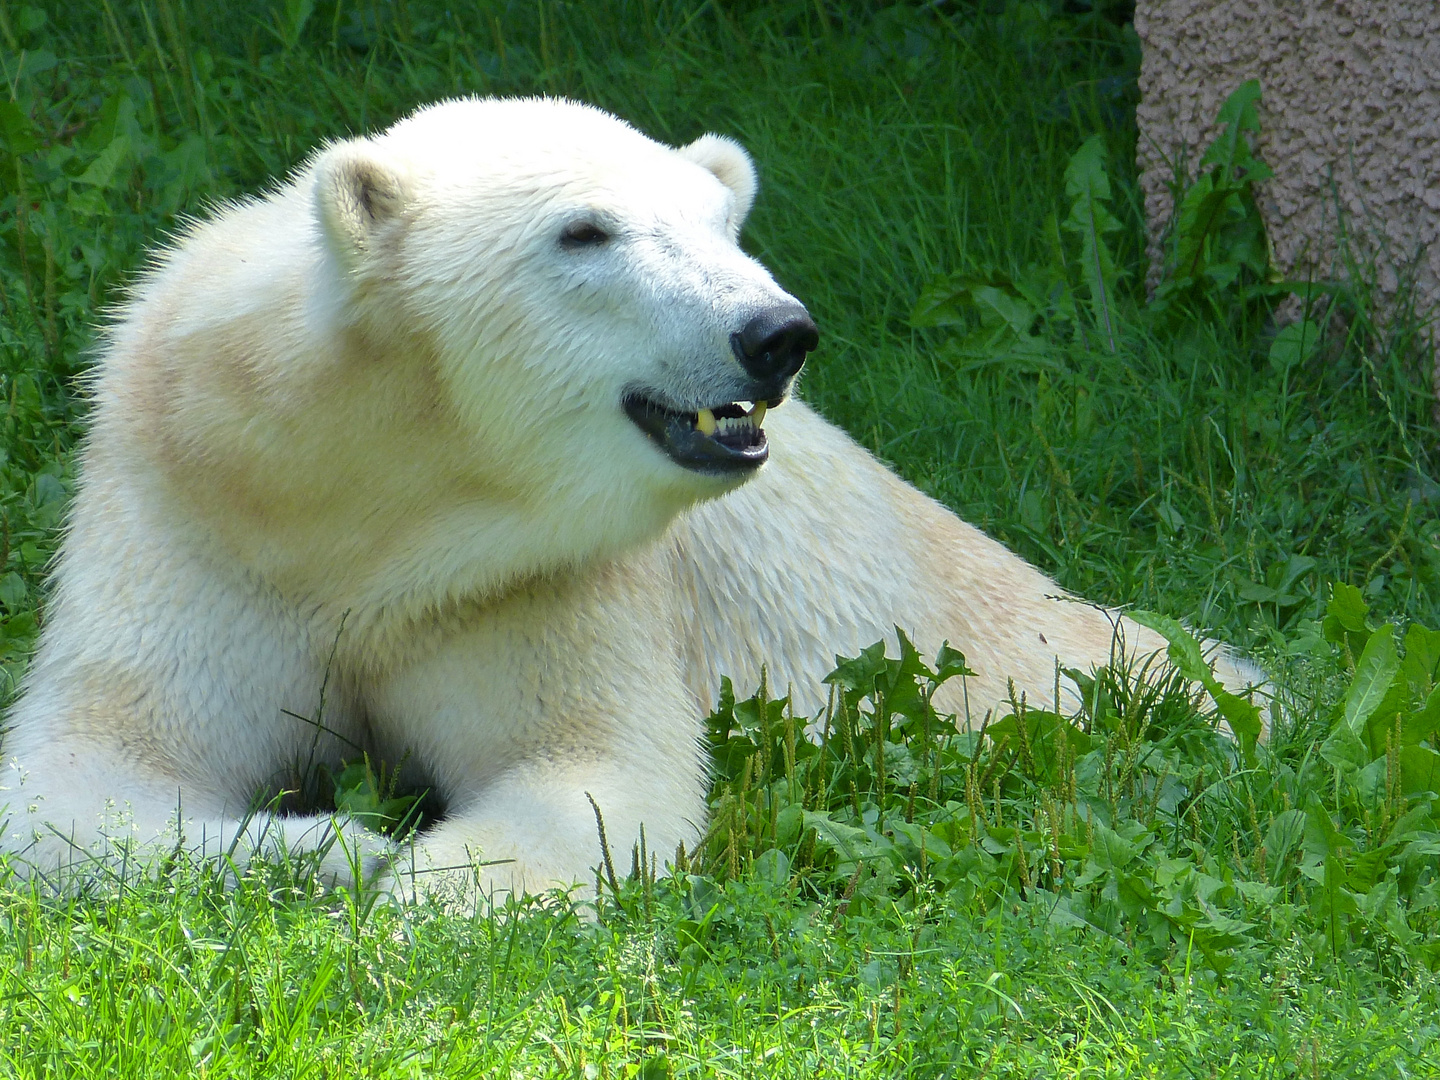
(583,234)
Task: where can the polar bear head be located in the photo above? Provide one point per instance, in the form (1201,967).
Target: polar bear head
(593,317)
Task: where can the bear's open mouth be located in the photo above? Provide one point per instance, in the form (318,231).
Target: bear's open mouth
(722,439)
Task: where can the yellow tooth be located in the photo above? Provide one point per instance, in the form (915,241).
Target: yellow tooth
(705,421)
(757,414)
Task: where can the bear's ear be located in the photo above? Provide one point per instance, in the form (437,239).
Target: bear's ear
(357,194)
(728,160)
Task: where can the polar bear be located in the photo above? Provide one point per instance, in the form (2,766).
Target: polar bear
(472,446)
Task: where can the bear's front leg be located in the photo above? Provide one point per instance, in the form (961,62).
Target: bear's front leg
(535,829)
(567,689)
(172,697)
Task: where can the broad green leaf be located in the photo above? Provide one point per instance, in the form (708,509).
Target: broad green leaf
(849,843)
(1239,115)
(1374,672)
(949,663)
(1239,108)
(1345,749)
(772,866)
(1255,593)
(910,666)
(789,824)
(296,14)
(1395,920)
(1335,903)
(1422,657)
(12,591)
(18,132)
(1184,651)
(998,306)
(1419,725)
(49,489)
(1200,208)
(1112,851)
(1242,716)
(1284,835)
(1416,824)
(1257,893)
(18,632)
(1419,770)
(1296,567)
(1322,840)
(87,202)
(1047,731)
(689,933)
(1135,895)
(704,902)
(1294,345)
(1347,605)
(1223,274)
(1370,783)
(102,170)
(30,62)
(1365,869)
(1222,932)
(363,795)
(1059,911)
(942,303)
(1085,175)
(115,117)
(1380,728)
(1378,905)
(859,673)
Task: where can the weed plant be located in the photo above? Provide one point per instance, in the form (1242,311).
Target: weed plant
(1137,816)
(1117,891)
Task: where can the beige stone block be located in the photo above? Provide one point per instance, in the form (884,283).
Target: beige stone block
(1350,115)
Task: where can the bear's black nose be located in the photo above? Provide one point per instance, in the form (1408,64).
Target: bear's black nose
(773,344)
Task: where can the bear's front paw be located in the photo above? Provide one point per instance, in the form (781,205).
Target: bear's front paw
(465,884)
(354,855)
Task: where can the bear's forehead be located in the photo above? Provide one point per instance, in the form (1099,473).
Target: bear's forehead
(526,152)
(546,131)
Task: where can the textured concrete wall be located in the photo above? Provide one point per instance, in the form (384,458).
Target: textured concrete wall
(1351,89)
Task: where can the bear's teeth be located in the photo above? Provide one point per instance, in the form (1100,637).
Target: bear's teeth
(708,424)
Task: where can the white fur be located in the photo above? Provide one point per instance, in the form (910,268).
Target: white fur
(361,439)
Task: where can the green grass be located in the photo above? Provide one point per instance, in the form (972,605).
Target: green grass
(185,978)
(1183,472)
